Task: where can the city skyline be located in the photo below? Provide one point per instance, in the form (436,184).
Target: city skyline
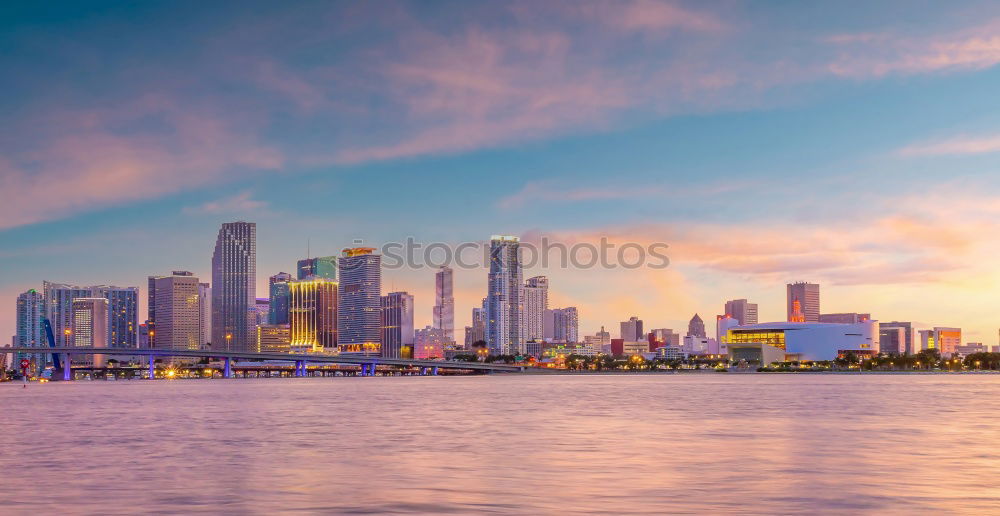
(635,142)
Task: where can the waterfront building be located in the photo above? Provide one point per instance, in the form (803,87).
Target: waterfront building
(325,267)
(312,315)
(722,325)
(274,338)
(397,325)
(807,296)
(277,287)
(844,318)
(234,287)
(970,348)
(360,302)
(503,300)
(696,327)
(204,315)
(802,341)
(444,303)
(892,340)
(631,330)
(561,325)
(428,343)
(696,345)
(122,310)
(742,310)
(945,340)
(535,298)
(909,344)
(627,348)
(175,312)
(29,328)
(670,353)
(90,327)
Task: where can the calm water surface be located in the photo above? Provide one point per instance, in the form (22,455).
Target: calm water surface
(640,444)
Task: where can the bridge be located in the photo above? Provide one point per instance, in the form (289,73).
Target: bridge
(301,361)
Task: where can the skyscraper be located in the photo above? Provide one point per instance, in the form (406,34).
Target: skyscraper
(696,327)
(807,294)
(503,299)
(234,287)
(324,267)
(360,312)
(476,332)
(175,311)
(535,301)
(30,331)
(204,314)
(742,310)
(561,325)
(90,326)
(122,310)
(397,325)
(444,303)
(278,292)
(907,328)
(312,314)
(631,330)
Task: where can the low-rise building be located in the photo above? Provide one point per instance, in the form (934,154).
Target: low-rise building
(801,341)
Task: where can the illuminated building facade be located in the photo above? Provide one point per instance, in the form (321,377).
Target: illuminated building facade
(123,313)
(945,340)
(807,294)
(312,315)
(428,343)
(90,326)
(360,310)
(503,299)
(804,341)
(274,338)
(723,323)
(30,331)
(175,311)
(444,302)
(397,325)
(535,299)
(205,314)
(234,287)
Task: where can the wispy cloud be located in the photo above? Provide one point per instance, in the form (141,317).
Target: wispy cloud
(959,145)
(241,203)
(551,191)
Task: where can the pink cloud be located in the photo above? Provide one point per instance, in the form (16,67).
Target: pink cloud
(241,203)
(961,145)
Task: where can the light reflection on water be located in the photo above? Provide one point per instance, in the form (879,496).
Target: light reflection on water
(505,444)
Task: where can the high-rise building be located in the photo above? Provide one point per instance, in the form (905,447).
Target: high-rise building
(262,311)
(312,315)
(535,299)
(360,312)
(892,340)
(666,337)
(503,299)
(234,287)
(122,310)
(273,338)
(561,325)
(205,314)
(324,267)
(845,318)
(30,330)
(278,295)
(631,330)
(428,343)
(908,341)
(175,311)
(444,303)
(696,327)
(807,295)
(90,326)
(397,325)
(742,310)
(476,332)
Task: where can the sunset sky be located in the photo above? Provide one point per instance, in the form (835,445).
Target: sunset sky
(852,144)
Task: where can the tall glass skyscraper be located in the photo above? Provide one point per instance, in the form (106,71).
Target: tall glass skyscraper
(323,267)
(234,287)
(360,310)
(397,325)
(30,331)
(278,293)
(503,299)
(444,303)
(312,315)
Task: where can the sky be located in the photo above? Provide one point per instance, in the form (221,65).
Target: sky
(851,144)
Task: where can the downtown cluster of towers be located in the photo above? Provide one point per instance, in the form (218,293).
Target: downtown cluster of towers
(330,304)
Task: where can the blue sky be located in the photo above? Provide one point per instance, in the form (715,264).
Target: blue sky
(851,144)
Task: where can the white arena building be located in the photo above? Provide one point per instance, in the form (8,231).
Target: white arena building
(792,341)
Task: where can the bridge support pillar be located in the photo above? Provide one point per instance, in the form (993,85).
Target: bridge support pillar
(300,368)
(423,371)
(67,367)
(228,371)
(152,367)
(434,371)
